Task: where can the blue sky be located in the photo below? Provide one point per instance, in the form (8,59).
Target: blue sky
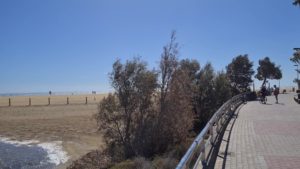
(70,45)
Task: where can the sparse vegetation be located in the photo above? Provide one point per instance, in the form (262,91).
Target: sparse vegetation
(144,117)
(151,112)
(153,115)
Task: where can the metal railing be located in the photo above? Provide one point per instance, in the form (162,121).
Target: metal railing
(197,156)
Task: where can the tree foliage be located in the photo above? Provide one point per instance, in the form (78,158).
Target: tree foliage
(151,112)
(205,96)
(296,59)
(174,115)
(267,70)
(125,114)
(240,72)
(296,2)
(223,88)
(144,116)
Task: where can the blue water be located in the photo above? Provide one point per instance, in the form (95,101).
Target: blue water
(23,157)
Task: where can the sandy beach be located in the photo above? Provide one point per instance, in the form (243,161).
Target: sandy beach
(73,124)
(54,100)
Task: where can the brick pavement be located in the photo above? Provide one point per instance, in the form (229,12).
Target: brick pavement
(263,136)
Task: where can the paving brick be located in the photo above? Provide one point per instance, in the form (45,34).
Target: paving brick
(263,136)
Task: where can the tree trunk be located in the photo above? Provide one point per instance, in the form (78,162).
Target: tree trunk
(264,82)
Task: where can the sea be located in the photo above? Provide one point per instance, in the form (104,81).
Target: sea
(31,154)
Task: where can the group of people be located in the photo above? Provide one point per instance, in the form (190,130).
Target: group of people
(264,93)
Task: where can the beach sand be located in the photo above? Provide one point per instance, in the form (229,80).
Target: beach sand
(74,125)
(54,99)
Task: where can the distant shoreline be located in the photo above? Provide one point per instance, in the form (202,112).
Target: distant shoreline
(72,128)
(52,94)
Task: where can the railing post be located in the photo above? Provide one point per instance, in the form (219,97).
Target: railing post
(203,156)
(211,130)
(9,102)
(29,102)
(48,100)
(67,100)
(86,101)
(215,124)
(218,124)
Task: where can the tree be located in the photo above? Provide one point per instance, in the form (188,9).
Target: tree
(151,112)
(205,96)
(174,115)
(296,2)
(267,70)
(125,113)
(191,70)
(296,59)
(240,72)
(180,108)
(191,67)
(145,117)
(223,89)
(167,67)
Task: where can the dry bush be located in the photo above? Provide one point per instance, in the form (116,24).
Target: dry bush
(146,116)
(128,164)
(92,160)
(142,163)
(124,116)
(165,163)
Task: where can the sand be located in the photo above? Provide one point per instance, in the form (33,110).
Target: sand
(54,100)
(73,124)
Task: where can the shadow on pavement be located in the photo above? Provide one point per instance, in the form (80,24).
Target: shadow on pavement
(215,151)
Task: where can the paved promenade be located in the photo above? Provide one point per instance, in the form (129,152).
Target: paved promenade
(263,136)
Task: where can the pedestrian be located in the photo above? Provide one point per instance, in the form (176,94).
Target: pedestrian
(263,94)
(276,92)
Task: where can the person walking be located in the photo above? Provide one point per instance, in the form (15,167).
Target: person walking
(263,92)
(276,92)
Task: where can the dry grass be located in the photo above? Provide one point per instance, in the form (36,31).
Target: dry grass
(73,124)
(54,100)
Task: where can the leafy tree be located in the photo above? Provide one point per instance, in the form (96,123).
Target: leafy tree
(222,89)
(145,116)
(239,72)
(191,70)
(267,70)
(150,112)
(296,2)
(123,115)
(205,96)
(296,59)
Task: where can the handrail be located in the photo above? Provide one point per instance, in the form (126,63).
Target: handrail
(222,115)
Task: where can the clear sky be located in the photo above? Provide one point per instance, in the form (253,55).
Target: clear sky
(70,45)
